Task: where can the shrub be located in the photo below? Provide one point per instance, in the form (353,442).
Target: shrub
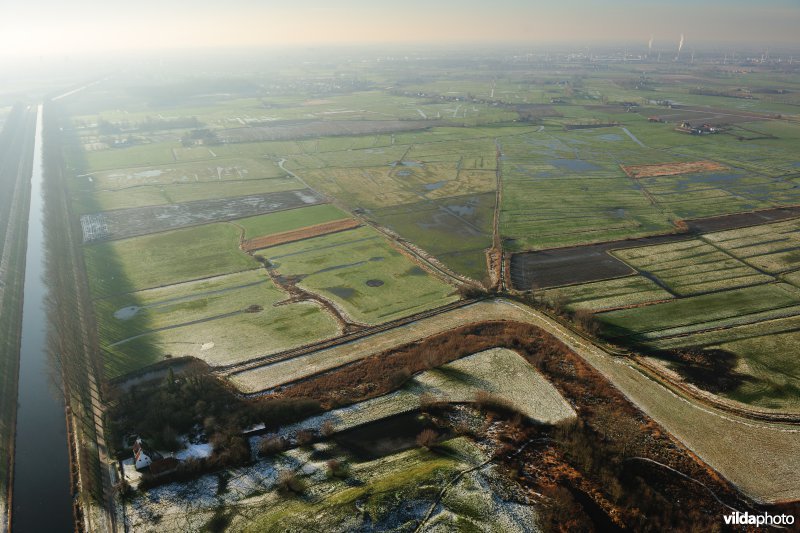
(586,320)
(290,483)
(327,429)
(427,438)
(305,437)
(398,377)
(271,445)
(338,469)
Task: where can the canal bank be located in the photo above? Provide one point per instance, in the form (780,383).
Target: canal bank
(16,160)
(42,499)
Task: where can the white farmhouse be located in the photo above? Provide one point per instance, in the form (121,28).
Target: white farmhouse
(141,459)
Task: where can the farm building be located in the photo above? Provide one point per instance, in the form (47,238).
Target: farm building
(141,459)
(705,129)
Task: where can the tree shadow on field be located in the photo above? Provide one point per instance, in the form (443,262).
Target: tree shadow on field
(104,269)
(710,369)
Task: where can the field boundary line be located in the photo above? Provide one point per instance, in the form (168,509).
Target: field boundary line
(269,359)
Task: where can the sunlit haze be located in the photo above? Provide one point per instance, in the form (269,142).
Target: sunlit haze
(53,29)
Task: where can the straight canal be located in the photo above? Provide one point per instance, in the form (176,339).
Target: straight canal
(42,499)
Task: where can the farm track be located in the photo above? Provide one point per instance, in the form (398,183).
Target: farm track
(494,257)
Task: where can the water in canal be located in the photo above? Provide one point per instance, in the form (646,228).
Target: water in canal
(41,498)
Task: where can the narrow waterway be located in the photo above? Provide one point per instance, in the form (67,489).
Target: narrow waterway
(41,498)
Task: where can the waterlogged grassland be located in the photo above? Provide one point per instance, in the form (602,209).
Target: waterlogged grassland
(202,172)
(88,199)
(165,259)
(562,188)
(289,220)
(695,310)
(361,273)
(601,295)
(565,187)
(718,193)
(456,230)
(691,267)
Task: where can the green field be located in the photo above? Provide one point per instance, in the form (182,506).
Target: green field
(566,187)
(435,187)
(691,267)
(214,170)
(205,319)
(773,364)
(88,200)
(698,309)
(289,220)
(774,248)
(338,266)
(601,295)
(164,259)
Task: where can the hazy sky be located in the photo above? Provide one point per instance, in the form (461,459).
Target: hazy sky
(59,27)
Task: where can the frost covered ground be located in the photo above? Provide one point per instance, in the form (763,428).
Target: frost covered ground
(500,371)
(383,494)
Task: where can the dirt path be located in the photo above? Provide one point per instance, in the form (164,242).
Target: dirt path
(495,262)
(633,137)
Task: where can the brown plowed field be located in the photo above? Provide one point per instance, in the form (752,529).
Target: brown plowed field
(299,234)
(671,169)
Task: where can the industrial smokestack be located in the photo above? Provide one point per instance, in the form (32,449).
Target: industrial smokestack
(650,45)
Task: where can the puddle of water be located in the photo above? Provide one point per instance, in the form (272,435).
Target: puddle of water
(577,165)
(434,186)
(148,174)
(374,283)
(694,179)
(342,292)
(461,210)
(406,164)
(126,313)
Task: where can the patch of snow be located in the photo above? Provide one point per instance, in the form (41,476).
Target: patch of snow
(195,451)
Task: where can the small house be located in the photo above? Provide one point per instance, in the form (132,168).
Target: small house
(140,459)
